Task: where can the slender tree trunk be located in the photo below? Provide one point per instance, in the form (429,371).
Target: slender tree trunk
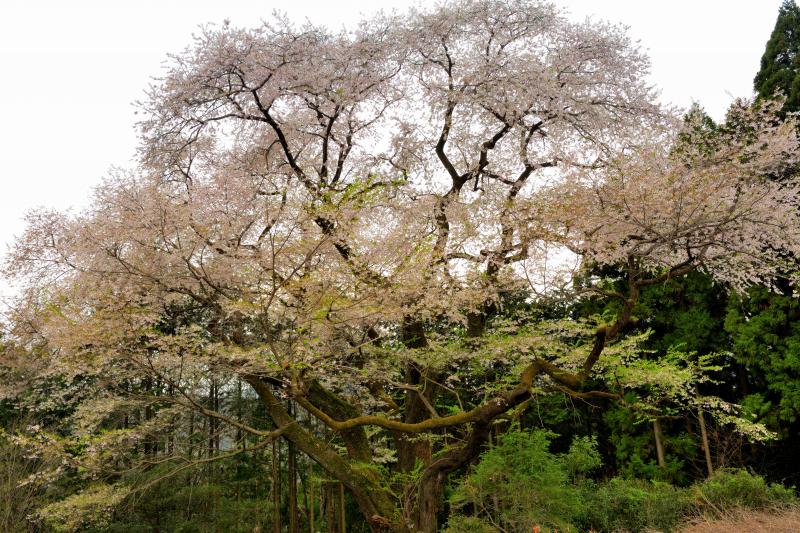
(191,434)
(662,463)
(704,437)
(204,433)
(302,489)
(211,421)
(276,488)
(342,520)
(216,422)
(239,434)
(310,491)
(171,438)
(330,509)
(147,387)
(292,481)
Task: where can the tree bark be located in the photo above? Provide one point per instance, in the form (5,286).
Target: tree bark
(276,488)
(429,498)
(342,519)
(310,491)
(330,510)
(704,437)
(355,439)
(662,463)
(292,481)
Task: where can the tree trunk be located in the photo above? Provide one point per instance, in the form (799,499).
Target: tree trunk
(662,463)
(276,488)
(330,509)
(239,434)
(217,424)
(211,420)
(429,500)
(342,520)
(435,474)
(704,437)
(292,481)
(191,434)
(310,491)
(171,438)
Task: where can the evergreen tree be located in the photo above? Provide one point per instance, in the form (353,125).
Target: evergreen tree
(765,340)
(780,64)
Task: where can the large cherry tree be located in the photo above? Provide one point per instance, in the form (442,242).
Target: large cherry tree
(337,219)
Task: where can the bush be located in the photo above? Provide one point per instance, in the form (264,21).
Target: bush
(635,505)
(519,483)
(582,458)
(469,524)
(732,489)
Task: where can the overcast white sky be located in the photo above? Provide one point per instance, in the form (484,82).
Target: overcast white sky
(71,69)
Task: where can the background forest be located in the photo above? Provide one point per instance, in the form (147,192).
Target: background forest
(692,411)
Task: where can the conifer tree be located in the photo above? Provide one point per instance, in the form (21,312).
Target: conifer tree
(780,64)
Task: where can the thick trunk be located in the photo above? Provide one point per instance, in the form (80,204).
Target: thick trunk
(434,476)
(476,324)
(375,502)
(355,439)
(412,449)
(429,500)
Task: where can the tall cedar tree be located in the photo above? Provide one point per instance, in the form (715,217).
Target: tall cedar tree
(780,63)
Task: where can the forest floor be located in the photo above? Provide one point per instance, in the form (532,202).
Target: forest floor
(777,521)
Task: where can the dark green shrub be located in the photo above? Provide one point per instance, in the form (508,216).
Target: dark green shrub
(730,489)
(582,458)
(519,483)
(635,505)
(634,448)
(469,524)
